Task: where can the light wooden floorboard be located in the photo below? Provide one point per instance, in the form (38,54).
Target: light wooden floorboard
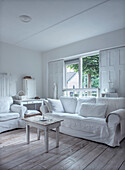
(72,154)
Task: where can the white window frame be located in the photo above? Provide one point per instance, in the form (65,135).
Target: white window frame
(78,60)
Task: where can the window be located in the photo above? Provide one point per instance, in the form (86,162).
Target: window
(90,73)
(72,74)
(81,74)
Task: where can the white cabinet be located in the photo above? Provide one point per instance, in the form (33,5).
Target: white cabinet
(29,87)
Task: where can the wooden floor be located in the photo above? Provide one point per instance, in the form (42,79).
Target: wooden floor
(73,153)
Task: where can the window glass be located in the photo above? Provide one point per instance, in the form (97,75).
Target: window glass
(90,73)
(82,73)
(72,76)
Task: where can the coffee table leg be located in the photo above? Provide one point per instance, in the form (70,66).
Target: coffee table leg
(28,133)
(57,137)
(38,134)
(46,139)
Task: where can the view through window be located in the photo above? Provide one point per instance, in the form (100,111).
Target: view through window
(89,75)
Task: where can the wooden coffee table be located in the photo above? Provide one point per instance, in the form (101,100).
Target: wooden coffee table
(46,125)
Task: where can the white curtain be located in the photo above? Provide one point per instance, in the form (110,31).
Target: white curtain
(55,78)
(7,85)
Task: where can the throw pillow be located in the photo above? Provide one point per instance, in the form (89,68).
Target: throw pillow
(55,105)
(69,104)
(93,110)
(84,100)
(4,106)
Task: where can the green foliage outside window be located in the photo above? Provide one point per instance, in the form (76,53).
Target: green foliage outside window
(90,66)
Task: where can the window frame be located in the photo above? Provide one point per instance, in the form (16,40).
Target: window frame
(78,60)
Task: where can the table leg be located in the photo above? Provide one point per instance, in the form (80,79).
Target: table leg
(38,134)
(46,139)
(28,133)
(57,137)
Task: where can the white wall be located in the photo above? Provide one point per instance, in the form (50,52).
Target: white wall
(115,38)
(21,62)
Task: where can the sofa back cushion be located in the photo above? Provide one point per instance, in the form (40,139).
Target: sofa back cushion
(93,110)
(5,103)
(55,105)
(84,100)
(112,103)
(69,104)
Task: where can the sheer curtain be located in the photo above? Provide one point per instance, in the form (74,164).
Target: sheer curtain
(7,85)
(55,78)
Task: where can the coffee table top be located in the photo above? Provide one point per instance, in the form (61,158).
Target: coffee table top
(39,120)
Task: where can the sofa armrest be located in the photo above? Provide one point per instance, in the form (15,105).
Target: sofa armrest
(117,117)
(44,109)
(19,109)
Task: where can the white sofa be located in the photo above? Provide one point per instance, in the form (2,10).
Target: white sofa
(97,119)
(11,114)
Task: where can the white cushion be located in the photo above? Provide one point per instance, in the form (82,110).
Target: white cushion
(55,105)
(4,106)
(8,116)
(112,103)
(84,100)
(6,98)
(31,112)
(18,108)
(93,110)
(69,104)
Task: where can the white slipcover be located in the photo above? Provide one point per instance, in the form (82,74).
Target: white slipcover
(10,114)
(109,130)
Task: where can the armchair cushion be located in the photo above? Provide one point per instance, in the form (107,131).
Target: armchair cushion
(19,109)
(4,106)
(8,116)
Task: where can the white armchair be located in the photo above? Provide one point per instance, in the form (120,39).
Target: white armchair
(10,114)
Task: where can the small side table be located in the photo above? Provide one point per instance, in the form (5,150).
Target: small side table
(36,122)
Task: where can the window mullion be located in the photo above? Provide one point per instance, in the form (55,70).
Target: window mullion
(80,72)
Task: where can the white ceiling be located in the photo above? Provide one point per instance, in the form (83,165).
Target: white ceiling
(58,22)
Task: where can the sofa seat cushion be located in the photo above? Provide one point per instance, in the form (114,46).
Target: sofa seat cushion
(92,125)
(84,100)
(8,116)
(69,104)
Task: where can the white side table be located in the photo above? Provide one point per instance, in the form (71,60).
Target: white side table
(29,101)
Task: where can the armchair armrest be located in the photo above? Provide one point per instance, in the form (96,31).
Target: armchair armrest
(117,117)
(19,109)
(44,109)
